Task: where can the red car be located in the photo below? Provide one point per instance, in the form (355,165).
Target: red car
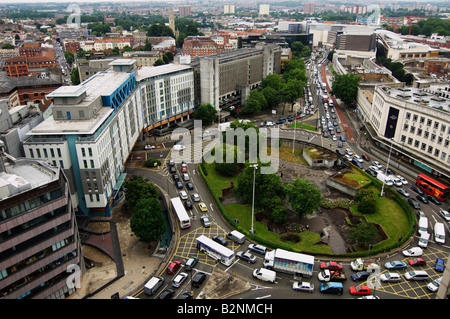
(173,266)
(365,157)
(332,265)
(183,169)
(360,290)
(417,262)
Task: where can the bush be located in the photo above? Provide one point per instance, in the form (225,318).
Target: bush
(367,205)
(152,162)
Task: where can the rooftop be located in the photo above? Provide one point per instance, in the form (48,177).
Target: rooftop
(154,71)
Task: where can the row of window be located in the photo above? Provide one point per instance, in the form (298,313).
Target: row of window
(426,134)
(45,153)
(429,122)
(426,148)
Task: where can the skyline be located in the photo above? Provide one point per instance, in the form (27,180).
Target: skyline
(188,1)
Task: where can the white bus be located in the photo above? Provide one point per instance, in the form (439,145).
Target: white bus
(183,217)
(215,250)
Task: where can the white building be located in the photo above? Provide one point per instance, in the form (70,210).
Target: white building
(264,9)
(96,124)
(228,8)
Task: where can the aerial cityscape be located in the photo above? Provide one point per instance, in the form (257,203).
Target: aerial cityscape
(245,152)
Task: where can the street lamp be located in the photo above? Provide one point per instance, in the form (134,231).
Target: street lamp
(387,166)
(255,167)
(295,126)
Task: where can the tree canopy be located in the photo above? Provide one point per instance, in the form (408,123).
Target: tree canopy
(147,221)
(206,113)
(136,188)
(304,197)
(345,87)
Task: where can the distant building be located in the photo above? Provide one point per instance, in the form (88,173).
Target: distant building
(195,46)
(309,7)
(143,58)
(264,9)
(24,65)
(184,11)
(228,8)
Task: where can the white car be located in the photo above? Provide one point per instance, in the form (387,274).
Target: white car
(334,138)
(195,197)
(374,168)
(358,158)
(404,181)
(183,195)
(445,214)
(149,147)
(348,151)
(434,285)
(179,279)
(377,164)
(413,252)
(390,276)
(303,286)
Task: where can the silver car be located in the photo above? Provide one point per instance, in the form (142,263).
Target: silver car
(303,286)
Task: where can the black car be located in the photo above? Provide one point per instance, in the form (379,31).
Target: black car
(433,199)
(389,171)
(422,199)
(185,295)
(415,204)
(417,190)
(189,186)
(198,279)
(361,275)
(356,163)
(188,204)
(176,177)
(166,294)
(371,172)
(220,240)
(172,169)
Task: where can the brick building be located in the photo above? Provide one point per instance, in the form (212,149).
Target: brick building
(196,46)
(24,65)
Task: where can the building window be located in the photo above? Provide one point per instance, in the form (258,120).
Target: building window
(58,150)
(31,153)
(416,143)
(403,139)
(410,140)
(430,149)
(436,152)
(83,152)
(90,151)
(436,125)
(423,146)
(415,117)
(52,152)
(413,129)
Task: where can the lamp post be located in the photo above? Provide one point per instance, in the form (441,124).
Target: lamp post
(255,167)
(295,127)
(387,166)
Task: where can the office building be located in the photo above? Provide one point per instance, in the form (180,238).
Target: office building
(38,231)
(228,8)
(264,9)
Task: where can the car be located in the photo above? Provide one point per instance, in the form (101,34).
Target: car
(439,265)
(203,207)
(404,181)
(171,162)
(189,186)
(185,295)
(365,157)
(172,169)
(389,171)
(395,265)
(338,130)
(360,290)
(331,265)
(422,199)
(244,255)
(195,197)
(358,158)
(433,199)
(334,137)
(183,195)
(175,177)
(198,279)
(340,152)
(415,204)
(377,164)
(149,147)
(179,279)
(188,204)
(348,151)
(348,157)
(371,172)
(390,276)
(445,214)
(434,285)
(360,275)
(257,248)
(341,137)
(374,168)
(413,252)
(303,286)
(205,221)
(335,123)
(178,184)
(191,263)
(173,266)
(183,168)
(416,189)
(369,297)
(421,213)
(403,192)
(185,177)
(325,135)
(166,294)
(417,262)
(220,240)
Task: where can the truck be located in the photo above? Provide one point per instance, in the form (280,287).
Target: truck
(362,264)
(289,262)
(385,179)
(331,275)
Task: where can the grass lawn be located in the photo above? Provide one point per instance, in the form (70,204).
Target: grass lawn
(217,181)
(305,126)
(285,154)
(244,214)
(389,215)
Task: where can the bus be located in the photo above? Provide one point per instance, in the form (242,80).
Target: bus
(215,250)
(433,187)
(183,218)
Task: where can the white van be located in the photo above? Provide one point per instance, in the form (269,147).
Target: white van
(424,240)
(153,284)
(423,226)
(179,147)
(265,274)
(439,233)
(236,236)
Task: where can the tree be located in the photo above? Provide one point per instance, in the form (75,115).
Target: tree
(408,78)
(271,96)
(363,233)
(206,113)
(330,55)
(226,168)
(159,62)
(75,76)
(148,222)
(272,80)
(69,57)
(303,196)
(137,188)
(345,87)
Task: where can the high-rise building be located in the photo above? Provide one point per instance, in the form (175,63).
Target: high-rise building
(264,9)
(309,7)
(228,8)
(184,11)
(39,234)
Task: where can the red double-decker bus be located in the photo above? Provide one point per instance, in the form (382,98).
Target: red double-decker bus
(433,187)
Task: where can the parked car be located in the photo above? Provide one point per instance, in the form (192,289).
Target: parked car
(220,240)
(340,152)
(414,251)
(341,138)
(358,158)
(416,189)
(390,276)
(417,262)
(244,255)
(395,265)
(332,265)
(439,265)
(434,285)
(149,147)
(360,275)
(257,248)
(403,192)
(415,204)
(303,286)
(348,151)
(377,164)
(371,172)
(433,199)
(205,221)
(173,266)
(360,290)
(422,199)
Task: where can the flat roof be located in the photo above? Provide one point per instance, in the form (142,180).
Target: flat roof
(68,91)
(154,71)
(122,62)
